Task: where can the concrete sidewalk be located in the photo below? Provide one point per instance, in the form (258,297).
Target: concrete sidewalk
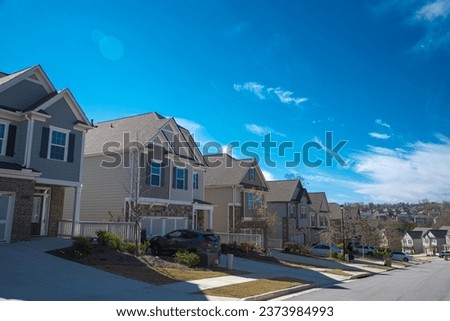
(28,273)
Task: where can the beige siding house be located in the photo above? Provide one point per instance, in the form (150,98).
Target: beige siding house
(228,185)
(290,201)
(146,163)
(319,210)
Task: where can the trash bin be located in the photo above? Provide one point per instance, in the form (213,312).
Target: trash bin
(387,261)
(230,258)
(208,259)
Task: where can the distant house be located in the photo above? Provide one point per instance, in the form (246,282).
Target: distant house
(42,134)
(319,215)
(148,163)
(412,241)
(290,201)
(229,185)
(434,241)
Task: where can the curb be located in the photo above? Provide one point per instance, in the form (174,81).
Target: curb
(279,293)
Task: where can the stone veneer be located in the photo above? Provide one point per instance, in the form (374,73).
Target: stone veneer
(23,206)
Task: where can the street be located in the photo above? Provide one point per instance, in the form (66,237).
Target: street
(424,282)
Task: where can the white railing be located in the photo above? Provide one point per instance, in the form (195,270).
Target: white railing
(88,229)
(226,238)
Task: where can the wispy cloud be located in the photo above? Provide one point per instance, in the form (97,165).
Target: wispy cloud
(268,175)
(252,87)
(434,10)
(421,170)
(382,123)
(261,130)
(379,135)
(432,16)
(285,96)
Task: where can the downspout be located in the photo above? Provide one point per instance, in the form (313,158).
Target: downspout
(28,143)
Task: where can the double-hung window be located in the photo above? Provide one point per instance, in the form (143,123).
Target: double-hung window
(195,180)
(155,174)
(251,173)
(250,200)
(58,145)
(3,134)
(180,172)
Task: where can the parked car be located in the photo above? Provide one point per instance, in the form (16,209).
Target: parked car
(191,240)
(322,249)
(401,256)
(367,250)
(444,253)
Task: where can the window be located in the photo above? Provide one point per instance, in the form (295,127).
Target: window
(303,212)
(195,180)
(3,128)
(58,144)
(155,174)
(291,210)
(180,178)
(250,200)
(251,173)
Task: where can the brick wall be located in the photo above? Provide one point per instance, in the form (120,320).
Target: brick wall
(23,206)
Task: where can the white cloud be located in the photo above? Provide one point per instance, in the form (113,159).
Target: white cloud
(261,130)
(382,123)
(433,10)
(423,171)
(268,175)
(253,87)
(379,135)
(285,96)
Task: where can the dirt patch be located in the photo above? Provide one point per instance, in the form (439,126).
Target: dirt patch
(146,268)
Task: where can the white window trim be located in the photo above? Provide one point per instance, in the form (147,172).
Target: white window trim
(193,180)
(66,148)
(251,170)
(5,136)
(160,172)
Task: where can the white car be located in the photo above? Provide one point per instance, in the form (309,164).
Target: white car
(401,256)
(322,249)
(367,250)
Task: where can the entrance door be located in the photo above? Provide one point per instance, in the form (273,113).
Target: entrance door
(6,211)
(39,219)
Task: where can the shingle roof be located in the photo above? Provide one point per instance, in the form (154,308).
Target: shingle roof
(415,234)
(140,128)
(7,78)
(438,233)
(281,191)
(335,211)
(317,199)
(226,170)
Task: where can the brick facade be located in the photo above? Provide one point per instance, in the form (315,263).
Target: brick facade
(56,207)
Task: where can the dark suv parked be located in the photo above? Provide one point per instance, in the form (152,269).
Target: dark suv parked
(190,240)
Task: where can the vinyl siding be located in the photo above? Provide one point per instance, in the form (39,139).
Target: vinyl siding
(22,95)
(220,197)
(62,117)
(104,190)
(19,146)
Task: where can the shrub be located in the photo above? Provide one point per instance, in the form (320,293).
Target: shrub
(187,258)
(83,245)
(109,239)
(129,247)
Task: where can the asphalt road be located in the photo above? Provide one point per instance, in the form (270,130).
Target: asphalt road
(424,282)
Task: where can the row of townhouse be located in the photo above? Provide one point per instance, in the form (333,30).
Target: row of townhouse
(59,171)
(426,240)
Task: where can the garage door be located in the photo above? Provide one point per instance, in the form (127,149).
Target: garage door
(6,210)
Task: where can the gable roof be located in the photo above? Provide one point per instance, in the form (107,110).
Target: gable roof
(284,190)
(415,234)
(437,233)
(335,211)
(34,71)
(317,200)
(225,170)
(137,129)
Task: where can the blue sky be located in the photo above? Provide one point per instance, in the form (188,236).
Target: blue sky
(374,73)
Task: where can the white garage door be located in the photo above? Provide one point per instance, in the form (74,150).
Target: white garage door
(6,210)
(162,225)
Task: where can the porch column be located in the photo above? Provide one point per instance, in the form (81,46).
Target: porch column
(76,211)
(210,219)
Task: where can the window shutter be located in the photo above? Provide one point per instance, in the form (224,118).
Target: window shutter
(186,181)
(44,142)
(174,177)
(163,170)
(71,151)
(10,145)
(148,173)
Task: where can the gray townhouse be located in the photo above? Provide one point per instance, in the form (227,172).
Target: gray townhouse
(42,135)
(148,164)
(290,201)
